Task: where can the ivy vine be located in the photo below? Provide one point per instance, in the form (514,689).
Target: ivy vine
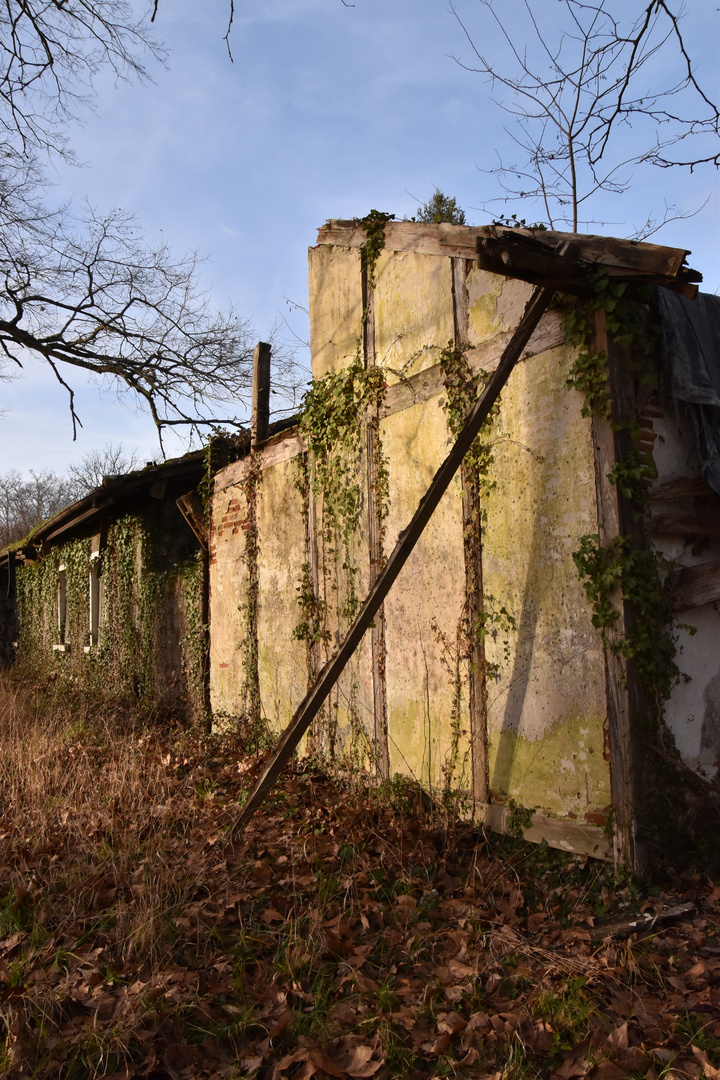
(373,225)
(131,647)
(650,638)
(334,412)
(462,386)
(312,627)
(249,609)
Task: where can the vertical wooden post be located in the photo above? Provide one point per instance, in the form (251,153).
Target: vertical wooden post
(11,586)
(472,550)
(612,522)
(377,633)
(260,416)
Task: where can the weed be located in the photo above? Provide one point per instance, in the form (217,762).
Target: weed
(313,1020)
(205,788)
(694,1028)
(327,886)
(16,972)
(568,1010)
(16,911)
(401,1060)
(241,1020)
(518,1064)
(386,1000)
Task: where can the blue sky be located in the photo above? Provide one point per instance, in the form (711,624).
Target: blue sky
(327,111)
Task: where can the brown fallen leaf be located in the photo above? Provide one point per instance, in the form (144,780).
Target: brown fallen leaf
(575,1064)
(271,915)
(357,1061)
(283,1021)
(618,1039)
(711,1073)
(439,1045)
(289,1059)
(608,1070)
(451,1022)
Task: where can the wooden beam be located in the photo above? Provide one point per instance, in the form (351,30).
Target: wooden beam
(683,487)
(460,241)
(260,417)
(642,922)
(406,542)
(192,510)
(481,358)
(81,519)
(528,258)
(676,518)
(618,705)
(693,586)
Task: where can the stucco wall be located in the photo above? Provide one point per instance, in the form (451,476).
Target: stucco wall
(547,710)
(282,667)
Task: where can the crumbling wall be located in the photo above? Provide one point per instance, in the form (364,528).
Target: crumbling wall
(263,542)
(410,683)
(685,514)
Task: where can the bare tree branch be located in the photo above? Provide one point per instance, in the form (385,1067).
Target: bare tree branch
(570,78)
(84,290)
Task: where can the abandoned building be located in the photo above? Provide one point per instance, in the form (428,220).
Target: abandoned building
(110,593)
(551,640)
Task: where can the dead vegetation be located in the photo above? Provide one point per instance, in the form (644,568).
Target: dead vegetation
(352,933)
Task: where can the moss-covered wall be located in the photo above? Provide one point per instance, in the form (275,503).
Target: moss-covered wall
(547,707)
(149,645)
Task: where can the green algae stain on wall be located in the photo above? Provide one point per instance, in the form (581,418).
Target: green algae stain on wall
(547,709)
(420,744)
(484,292)
(413,312)
(563,773)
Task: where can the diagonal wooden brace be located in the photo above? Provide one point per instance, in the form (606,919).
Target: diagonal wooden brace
(316,696)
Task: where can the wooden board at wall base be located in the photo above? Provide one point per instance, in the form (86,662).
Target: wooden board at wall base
(566,835)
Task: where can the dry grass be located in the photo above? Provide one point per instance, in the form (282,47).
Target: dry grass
(350,933)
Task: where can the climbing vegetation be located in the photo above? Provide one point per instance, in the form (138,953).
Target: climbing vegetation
(133,657)
(628,567)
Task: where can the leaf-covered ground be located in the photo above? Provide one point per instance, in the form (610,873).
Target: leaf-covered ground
(348,933)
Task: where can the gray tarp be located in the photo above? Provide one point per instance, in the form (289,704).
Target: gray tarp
(691,363)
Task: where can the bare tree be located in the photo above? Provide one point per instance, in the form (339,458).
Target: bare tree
(83,289)
(50,52)
(24,503)
(109,460)
(573,74)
